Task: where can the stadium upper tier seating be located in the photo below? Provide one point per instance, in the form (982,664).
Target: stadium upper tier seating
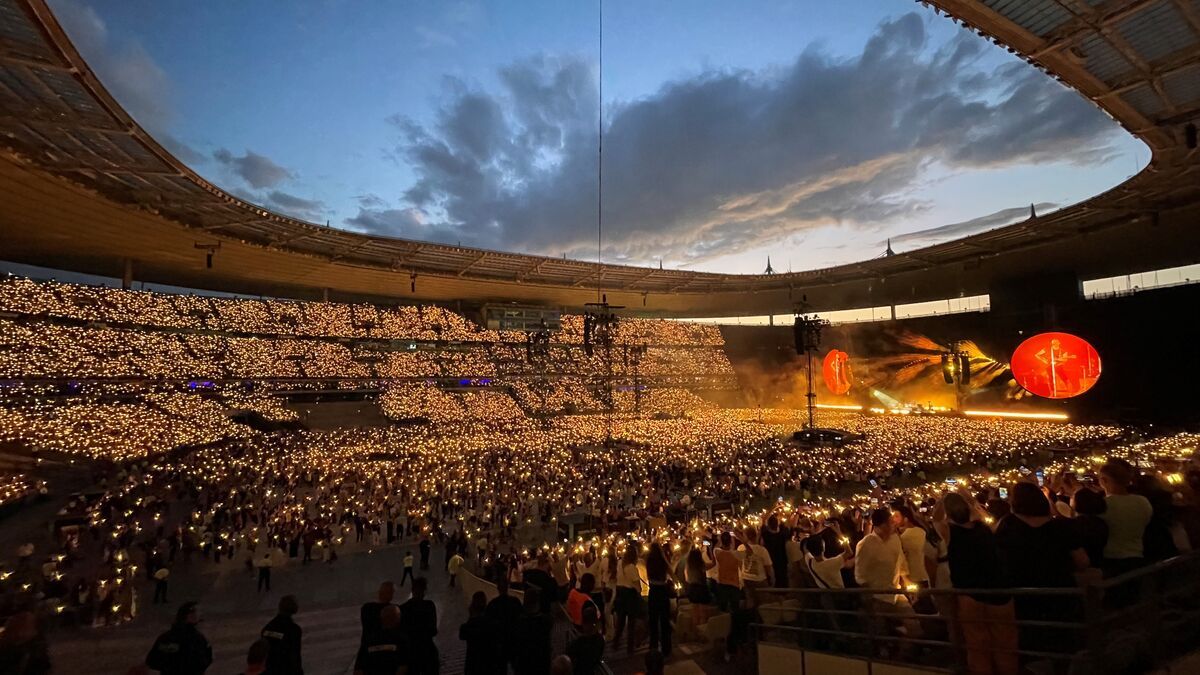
(50,330)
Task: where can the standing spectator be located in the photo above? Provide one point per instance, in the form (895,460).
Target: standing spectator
(182,650)
(1127,516)
(418,622)
(283,640)
(879,564)
(729,574)
(310,540)
(23,649)
(256,658)
(825,572)
(452,566)
(264,565)
(987,620)
(587,650)
(160,584)
(628,603)
(560,572)
(425,547)
(912,542)
(775,538)
(698,594)
(1038,551)
(369,615)
(502,614)
(1092,530)
(533,636)
(757,568)
(658,615)
(483,656)
(408,568)
(386,650)
(578,598)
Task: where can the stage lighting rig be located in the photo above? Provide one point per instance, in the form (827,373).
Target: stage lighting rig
(633,362)
(209,251)
(956,370)
(537,343)
(807,334)
(600,331)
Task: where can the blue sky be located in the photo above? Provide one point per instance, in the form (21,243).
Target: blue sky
(809,131)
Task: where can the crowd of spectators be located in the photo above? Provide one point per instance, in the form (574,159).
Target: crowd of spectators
(683,499)
(427,323)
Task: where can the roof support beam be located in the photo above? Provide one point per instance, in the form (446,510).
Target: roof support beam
(1190,14)
(599,276)
(10,58)
(478,259)
(350,249)
(1088,19)
(532,269)
(640,279)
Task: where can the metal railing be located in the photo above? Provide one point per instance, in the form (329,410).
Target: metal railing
(1127,623)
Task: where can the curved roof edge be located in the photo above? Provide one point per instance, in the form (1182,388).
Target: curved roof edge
(89,188)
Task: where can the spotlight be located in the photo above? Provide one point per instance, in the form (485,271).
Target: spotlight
(209,251)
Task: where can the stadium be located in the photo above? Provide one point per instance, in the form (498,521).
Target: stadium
(593,466)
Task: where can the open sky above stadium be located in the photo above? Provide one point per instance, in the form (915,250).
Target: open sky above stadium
(808,131)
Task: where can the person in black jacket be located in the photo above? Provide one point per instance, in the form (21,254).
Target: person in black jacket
(283,638)
(23,649)
(418,622)
(426,546)
(386,650)
(502,612)
(182,650)
(533,637)
(369,615)
(483,655)
(587,650)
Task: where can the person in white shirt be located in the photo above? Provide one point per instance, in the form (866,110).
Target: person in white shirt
(912,542)
(826,572)
(879,563)
(756,570)
(794,549)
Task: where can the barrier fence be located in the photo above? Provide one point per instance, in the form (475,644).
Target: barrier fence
(1127,623)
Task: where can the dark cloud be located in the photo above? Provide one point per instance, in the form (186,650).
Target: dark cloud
(184,152)
(728,160)
(408,223)
(258,171)
(307,209)
(967,227)
(128,72)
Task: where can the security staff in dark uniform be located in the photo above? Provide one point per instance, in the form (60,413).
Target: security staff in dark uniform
(182,650)
(385,651)
(418,621)
(283,640)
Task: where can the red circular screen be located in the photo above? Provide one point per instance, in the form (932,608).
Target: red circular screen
(1056,365)
(837,372)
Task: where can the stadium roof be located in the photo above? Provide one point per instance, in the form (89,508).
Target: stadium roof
(84,188)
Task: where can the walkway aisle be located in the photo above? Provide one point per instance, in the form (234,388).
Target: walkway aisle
(233,613)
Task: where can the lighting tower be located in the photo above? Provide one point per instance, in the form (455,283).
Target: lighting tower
(807,333)
(956,370)
(600,331)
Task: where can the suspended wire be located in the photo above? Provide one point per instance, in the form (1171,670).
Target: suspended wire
(600,158)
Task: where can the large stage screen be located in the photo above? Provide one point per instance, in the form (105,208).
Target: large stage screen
(1056,365)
